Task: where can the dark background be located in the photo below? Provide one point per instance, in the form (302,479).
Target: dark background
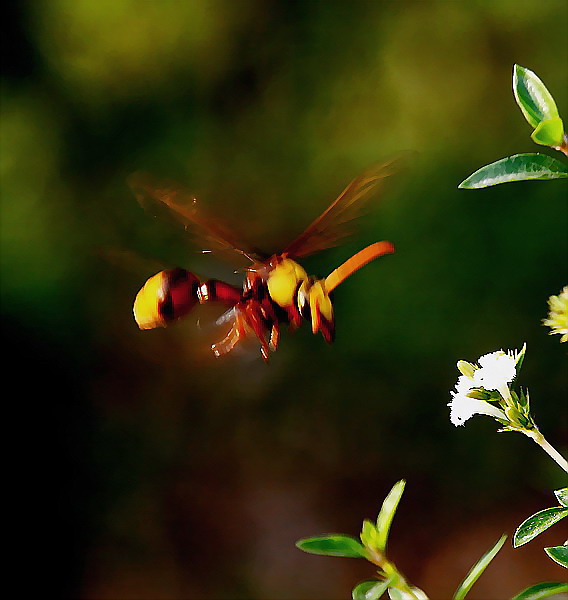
(146,469)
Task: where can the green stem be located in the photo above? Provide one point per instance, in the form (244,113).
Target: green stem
(550,450)
(389,571)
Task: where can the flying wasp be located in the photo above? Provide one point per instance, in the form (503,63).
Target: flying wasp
(276,288)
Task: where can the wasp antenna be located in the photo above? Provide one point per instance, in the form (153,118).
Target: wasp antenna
(249,256)
(357,261)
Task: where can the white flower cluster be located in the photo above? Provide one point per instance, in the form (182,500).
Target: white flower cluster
(494,371)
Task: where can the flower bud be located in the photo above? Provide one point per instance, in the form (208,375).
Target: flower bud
(466,368)
(479,394)
(513,415)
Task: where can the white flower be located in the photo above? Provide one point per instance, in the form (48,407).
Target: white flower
(463,407)
(464,384)
(496,370)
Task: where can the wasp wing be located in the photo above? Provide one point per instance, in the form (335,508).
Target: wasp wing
(130,261)
(336,222)
(210,232)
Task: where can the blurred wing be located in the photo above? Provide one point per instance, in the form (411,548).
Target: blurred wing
(210,232)
(337,221)
(130,261)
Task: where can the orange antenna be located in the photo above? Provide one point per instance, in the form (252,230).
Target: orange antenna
(357,261)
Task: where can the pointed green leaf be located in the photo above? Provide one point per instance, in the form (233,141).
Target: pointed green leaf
(538,523)
(519,167)
(369,590)
(520,358)
(478,569)
(334,544)
(542,590)
(558,554)
(549,132)
(522,399)
(534,100)
(387,513)
(562,496)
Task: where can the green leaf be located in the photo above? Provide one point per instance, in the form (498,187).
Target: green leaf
(549,132)
(478,569)
(542,590)
(562,495)
(370,590)
(396,594)
(479,394)
(369,535)
(534,100)
(558,554)
(412,593)
(524,400)
(519,167)
(520,358)
(538,523)
(387,513)
(335,544)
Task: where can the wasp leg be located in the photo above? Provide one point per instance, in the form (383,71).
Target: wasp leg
(274,337)
(227,343)
(254,319)
(294,317)
(270,321)
(235,335)
(213,290)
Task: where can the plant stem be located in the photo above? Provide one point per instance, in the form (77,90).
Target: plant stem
(388,571)
(564,147)
(550,450)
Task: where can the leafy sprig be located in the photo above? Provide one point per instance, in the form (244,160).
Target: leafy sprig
(373,547)
(541,521)
(540,110)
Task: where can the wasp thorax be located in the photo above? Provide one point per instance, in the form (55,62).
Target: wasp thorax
(283,281)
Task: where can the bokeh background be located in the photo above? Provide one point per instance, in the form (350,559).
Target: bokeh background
(148,470)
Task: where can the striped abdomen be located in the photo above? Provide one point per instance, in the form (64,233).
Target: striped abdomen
(170,295)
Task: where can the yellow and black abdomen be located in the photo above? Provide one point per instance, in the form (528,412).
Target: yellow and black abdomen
(165,297)
(170,295)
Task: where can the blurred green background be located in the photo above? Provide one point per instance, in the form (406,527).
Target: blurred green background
(149,470)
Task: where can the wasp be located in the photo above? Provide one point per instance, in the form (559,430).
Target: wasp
(276,288)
